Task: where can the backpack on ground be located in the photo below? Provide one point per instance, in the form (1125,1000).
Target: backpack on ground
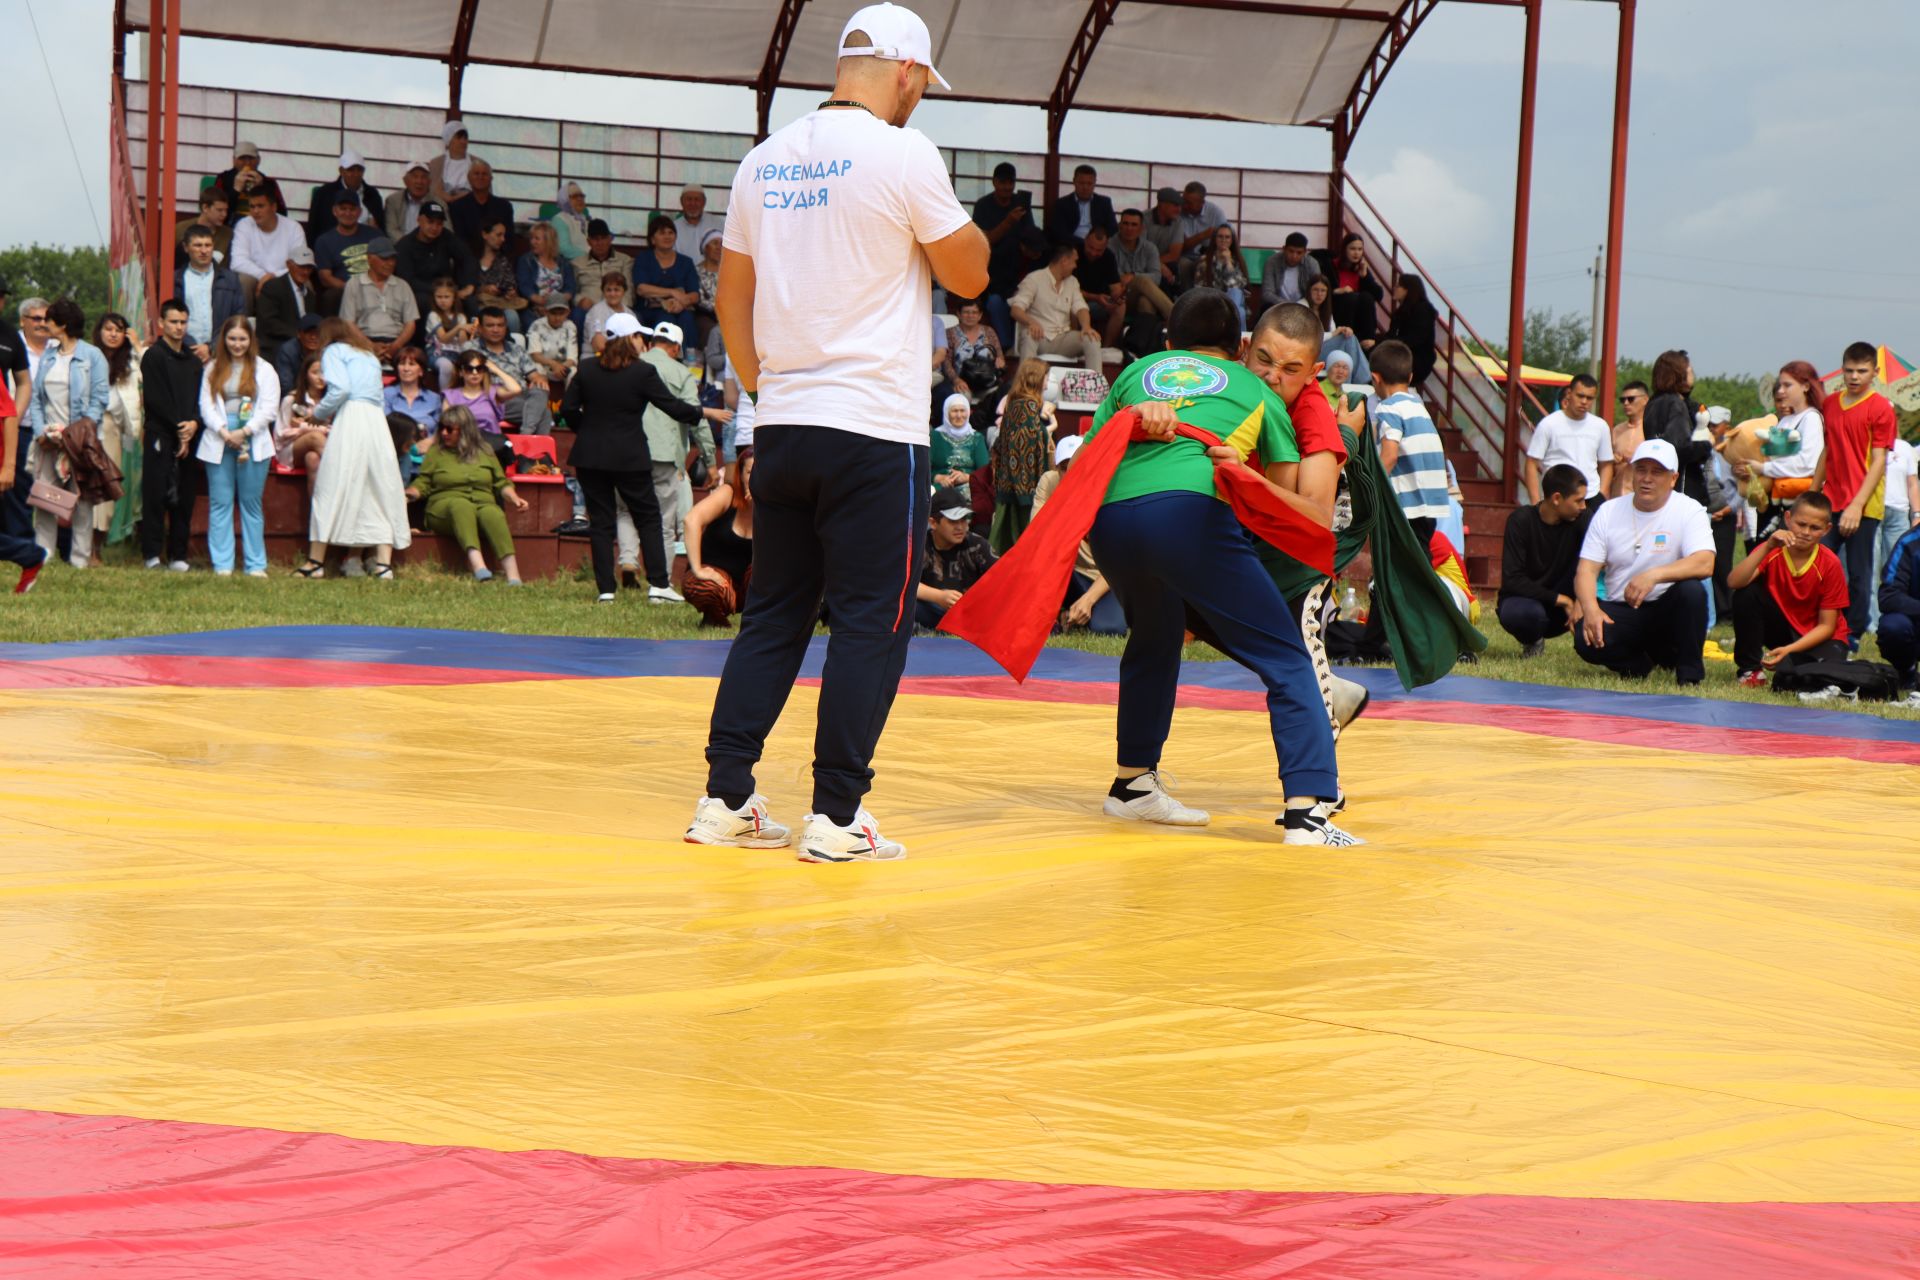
(1873,681)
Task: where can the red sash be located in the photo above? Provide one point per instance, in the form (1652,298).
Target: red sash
(1011,611)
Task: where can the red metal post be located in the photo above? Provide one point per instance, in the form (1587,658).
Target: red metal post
(1522,209)
(170,163)
(156,43)
(1616,216)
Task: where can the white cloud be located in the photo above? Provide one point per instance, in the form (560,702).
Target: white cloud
(1441,217)
(1733,214)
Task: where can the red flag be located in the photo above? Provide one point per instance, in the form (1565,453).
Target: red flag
(1010,612)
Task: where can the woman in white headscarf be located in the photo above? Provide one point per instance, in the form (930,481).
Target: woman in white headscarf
(448,171)
(569,220)
(958,450)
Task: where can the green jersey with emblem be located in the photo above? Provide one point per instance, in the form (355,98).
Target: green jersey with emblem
(1209,392)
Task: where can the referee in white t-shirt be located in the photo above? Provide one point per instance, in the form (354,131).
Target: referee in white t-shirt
(837,226)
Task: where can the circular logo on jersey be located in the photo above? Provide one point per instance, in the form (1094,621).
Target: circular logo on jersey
(1177,377)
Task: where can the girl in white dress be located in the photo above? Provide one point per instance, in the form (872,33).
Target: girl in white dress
(358,497)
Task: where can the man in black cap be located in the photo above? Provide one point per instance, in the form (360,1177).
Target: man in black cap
(429,252)
(281,302)
(957,558)
(592,267)
(380,305)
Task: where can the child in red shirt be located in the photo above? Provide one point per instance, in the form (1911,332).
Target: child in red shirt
(1852,470)
(1790,596)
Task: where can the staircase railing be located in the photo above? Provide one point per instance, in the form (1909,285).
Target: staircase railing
(1459,391)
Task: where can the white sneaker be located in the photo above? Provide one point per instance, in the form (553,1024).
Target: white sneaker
(256,573)
(1151,803)
(179,566)
(664,595)
(824,840)
(1910,701)
(748,827)
(1314,826)
(1350,698)
(155,562)
(605,597)
(1832,693)
(223,573)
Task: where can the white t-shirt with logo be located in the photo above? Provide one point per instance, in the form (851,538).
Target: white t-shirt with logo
(833,210)
(1901,462)
(1627,542)
(1585,443)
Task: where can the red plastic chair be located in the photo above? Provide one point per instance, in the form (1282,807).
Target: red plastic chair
(533,449)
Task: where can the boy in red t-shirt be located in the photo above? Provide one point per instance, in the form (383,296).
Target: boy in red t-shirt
(1790,596)
(1860,426)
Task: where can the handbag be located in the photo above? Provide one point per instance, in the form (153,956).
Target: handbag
(53,499)
(1083,386)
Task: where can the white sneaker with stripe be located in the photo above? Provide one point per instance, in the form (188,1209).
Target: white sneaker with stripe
(748,827)
(824,840)
(1314,826)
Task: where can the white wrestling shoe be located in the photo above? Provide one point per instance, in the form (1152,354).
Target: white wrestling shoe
(1350,698)
(1314,826)
(1148,801)
(748,827)
(824,840)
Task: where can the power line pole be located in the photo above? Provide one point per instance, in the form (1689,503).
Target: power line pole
(1593,334)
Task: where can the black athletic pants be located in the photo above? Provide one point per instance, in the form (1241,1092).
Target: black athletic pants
(839,517)
(1527,620)
(1758,625)
(636,490)
(168,486)
(1668,632)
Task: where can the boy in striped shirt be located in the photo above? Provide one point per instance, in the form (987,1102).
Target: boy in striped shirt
(1411,450)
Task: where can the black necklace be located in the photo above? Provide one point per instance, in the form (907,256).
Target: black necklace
(847,102)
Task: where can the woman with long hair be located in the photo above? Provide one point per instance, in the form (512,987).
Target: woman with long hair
(1797,399)
(298,439)
(71,385)
(239,399)
(464,485)
(1413,323)
(542,275)
(1319,300)
(358,499)
(1670,417)
(498,284)
(121,429)
(1222,267)
(607,403)
(1020,453)
(720,546)
(1356,293)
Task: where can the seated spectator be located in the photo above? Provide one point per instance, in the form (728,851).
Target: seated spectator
(1193,228)
(409,396)
(340,251)
(242,180)
(665,285)
(1573,435)
(720,546)
(1089,603)
(483,388)
(1790,597)
(1413,324)
(1222,267)
(526,408)
(281,302)
(708,268)
(447,174)
(601,259)
(1100,284)
(1289,272)
(1899,633)
(238,400)
(464,486)
(693,221)
(433,253)
(1654,548)
(379,306)
(449,330)
(291,354)
(212,215)
(497,279)
(554,344)
(1050,313)
(613,301)
(474,210)
(957,449)
(352,185)
(403,208)
(71,389)
(570,220)
(1542,549)
(975,363)
(1356,291)
(298,440)
(262,244)
(1162,231)
(1080,210)
(1141,270)
(1339,338)
(212,292)
(542,276)
(1338,374)
(957,558)
(1006,216)
(1020,452)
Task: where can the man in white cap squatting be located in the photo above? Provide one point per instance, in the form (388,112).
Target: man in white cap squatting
(1654,549)
(835,229)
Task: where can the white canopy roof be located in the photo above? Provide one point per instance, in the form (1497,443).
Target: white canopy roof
(1300,62)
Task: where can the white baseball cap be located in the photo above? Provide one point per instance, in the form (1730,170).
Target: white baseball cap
(897,34)
(1064,451)
(350,159)
(1658,451)
(622,325)
(668,331)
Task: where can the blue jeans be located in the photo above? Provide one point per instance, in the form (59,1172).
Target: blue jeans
(1238,297)
(242,478)
(16,517)
(1000,316)
(1893,526)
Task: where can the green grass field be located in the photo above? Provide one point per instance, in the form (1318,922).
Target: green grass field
(119,598)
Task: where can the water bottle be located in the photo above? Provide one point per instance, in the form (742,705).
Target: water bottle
(1349,603)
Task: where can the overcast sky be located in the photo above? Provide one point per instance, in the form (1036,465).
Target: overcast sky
(1771,192)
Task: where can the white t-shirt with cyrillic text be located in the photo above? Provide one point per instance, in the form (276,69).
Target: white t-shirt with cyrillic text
(1627,542)
(1584,443)
(833,210)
